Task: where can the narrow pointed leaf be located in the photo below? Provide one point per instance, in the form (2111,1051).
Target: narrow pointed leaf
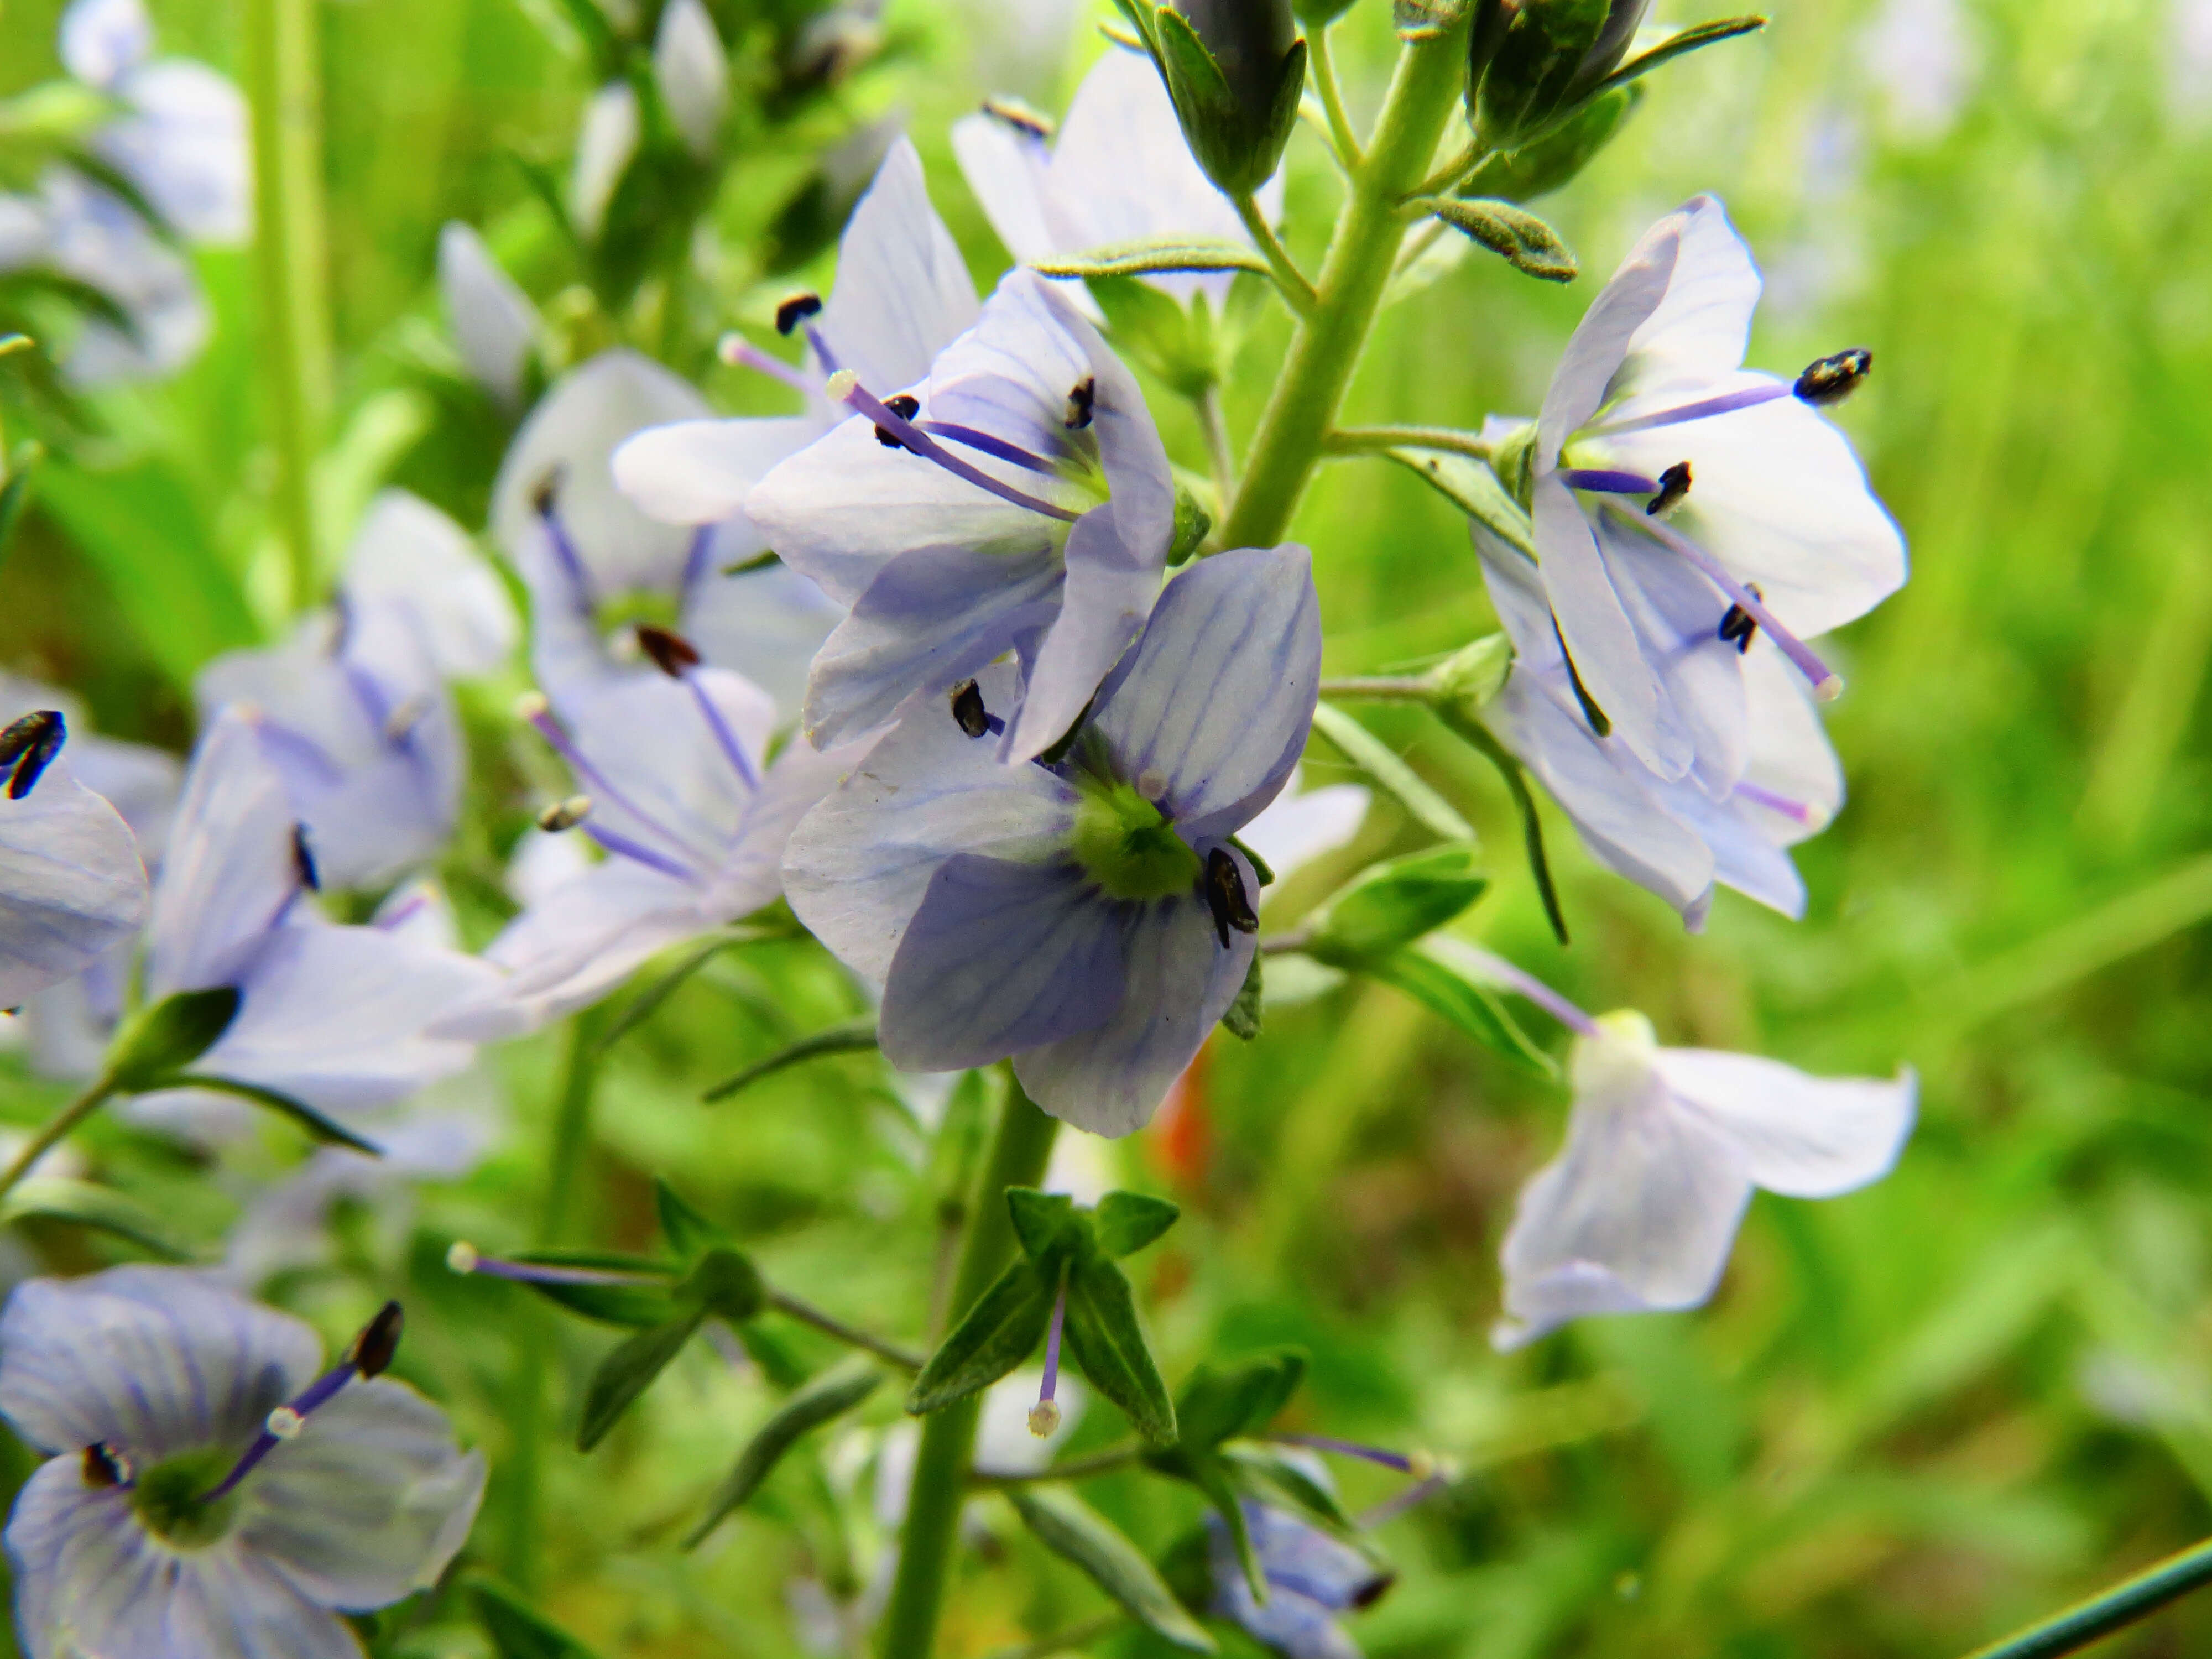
(103,1209)
(837,1040)
(999,1332)
(1047,1224)
(1127,1222)
(1267,1475)
(322,1128)
(1103,1333)
(627,1372)
(1151,256)
(1375,757)
(1524,802)
(1071,1529)
(1240,1397)
(1432,979)
(1391,904)
(688,1233)
(1690,39)
(1514,234)
(829,1395)
(642,1007)
(1474,490)
(1211,1476)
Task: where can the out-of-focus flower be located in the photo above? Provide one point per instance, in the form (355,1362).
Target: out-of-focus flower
(605,144)
(1302,824)
(1664,1148)
(353,709)
(2189,63)
(1312,1578)
(336,1017)
(1118,171)
(1018,499)
(1090,918)
(1675,836)
(80,231)
(494,326)
(1664,476)
(145,1386)
(1921,61)
(72,885)
(692,73)
(597,566)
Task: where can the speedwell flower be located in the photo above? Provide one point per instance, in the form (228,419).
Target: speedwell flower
(1778,781)
(1019,499)
(1091,917)
(1657,456)
(1311,1579)
(72,886)
(1664,1148)
(204,1493)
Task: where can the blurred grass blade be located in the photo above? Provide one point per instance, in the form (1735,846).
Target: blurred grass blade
(324,1129)
(101,1209)
(627,1371)
(2114,1609)
(837,1040)
(517,1630)
(1375,757)
(1071,1529)
(642,1006)
(828,1396)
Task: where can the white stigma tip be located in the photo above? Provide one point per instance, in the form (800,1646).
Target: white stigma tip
(1420,1464)
(565,814)
(531,706)
(462,1256)
(285,1423)
(1151,783)
(1830,689)
(1044,1420)
(731,347)
(843,384)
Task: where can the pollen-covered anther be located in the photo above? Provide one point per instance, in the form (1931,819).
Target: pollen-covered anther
(565,814)
(546,492)
(968,711)
(1019,115)
(1830,379)
(1674,485)
(29,745)
(906,406)
(1082,400)
(105,1467)
(461,1257)
(1226,898)
(1738,627)
(284,1423)
(671,653)
(1044,1420)
(303,861)
(796,310)
(372,1349)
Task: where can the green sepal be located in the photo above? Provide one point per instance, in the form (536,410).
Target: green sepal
(1072,1530)
(1220,1401)
(1262,872)
(326,1130)
(1125,1223)
(1552,162)
(1528,64)
(688,1233)
(1677,45)
(855,1038)
(1469,680)
(517,1630)
(1422,972)
(1425,20)
(1515,234)
(627,1371)
(1151,255)
(1102,1333)
(637,1306)
(157,1042)
(1246,1016)
(1263,1474)
(1485,494)
(1238,149)
(1390,904)
(1193,524)
(1510,768)
(999,1333)
(1048,1225)
(726,1283)
(828,1396)
(1211,1476)
(100,1209)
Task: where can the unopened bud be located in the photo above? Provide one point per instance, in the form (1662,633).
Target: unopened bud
(1248,39)
(461,1256)
(1044,1420)
(1466,682)
(284,1423)
(565,814)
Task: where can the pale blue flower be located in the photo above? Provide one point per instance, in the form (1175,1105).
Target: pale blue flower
(143,1385)
(1666,477)
(1312,1578)
(494,327)
(354,708)
(71,885)
(1018,500)
(605,143)
(78,230)
(338,1017)
(1091,918)
(1677,837)
(692,73)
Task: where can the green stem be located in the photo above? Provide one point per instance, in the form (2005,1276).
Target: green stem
(1326,348)
(1360,439)
(2113,1609)
(283,84)
(1288,278)
(1218,452)
(1017,1158)
(851,1335)
(1384,688)
(572,1120)
(1076,1468)
(56,1129)
(1320,64)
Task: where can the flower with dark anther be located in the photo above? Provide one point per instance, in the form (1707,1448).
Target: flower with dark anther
(1062,912)
(677,790)
(203,1494)
(1780,781)
(903,294)
(1026,506)
(1664,1150)
(336,1017)
(1312,1578)
(1118,171)
(353,710)
(1664,476)
(71,885)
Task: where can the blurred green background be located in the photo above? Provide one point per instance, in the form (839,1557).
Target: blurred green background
(1911,1419)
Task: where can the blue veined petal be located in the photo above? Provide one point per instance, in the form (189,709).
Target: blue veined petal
(369,1504)
(1176,982)
(999,956)
(1291,1622)
(1697,333)
(902,292)
(768,623)
(1804,1137)
(1600,343)
(407,552)
(72,886)
(1215,701)
(157,1360)
(932,618)
(698,472)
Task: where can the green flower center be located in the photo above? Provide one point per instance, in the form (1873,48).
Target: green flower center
(1125,846)
(623,611)
(166,1499)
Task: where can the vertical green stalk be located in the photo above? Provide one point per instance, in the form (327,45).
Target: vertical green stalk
(56,1130)
(2113,1609)
(1361,254)
(572,1123)
(284,84)
(1017,1158)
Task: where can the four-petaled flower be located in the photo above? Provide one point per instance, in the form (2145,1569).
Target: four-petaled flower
(1091,917)
(148,1389)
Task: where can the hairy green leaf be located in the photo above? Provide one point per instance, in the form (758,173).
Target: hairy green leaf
(1071,1529)
(1151,255)
(627,1371)
(1514,234)
(827,1396)
(999,1333)
(1102,1333)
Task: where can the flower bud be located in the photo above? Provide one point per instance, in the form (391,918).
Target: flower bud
(1531,63)
(1248,39)
(1471,677)
(1234,70)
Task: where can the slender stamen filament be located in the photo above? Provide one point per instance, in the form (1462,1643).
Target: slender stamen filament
(1812,816)
(846,389)
(1503,975)
(1827,684)
(1608,481)
(1044,1416)
(572,562)
(623,847)
(370,1356)
(822,354)
(464,1258)
(728,739)
(1388,1460)
(539,712)
(974,438)
(738,352)
(1726,402)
